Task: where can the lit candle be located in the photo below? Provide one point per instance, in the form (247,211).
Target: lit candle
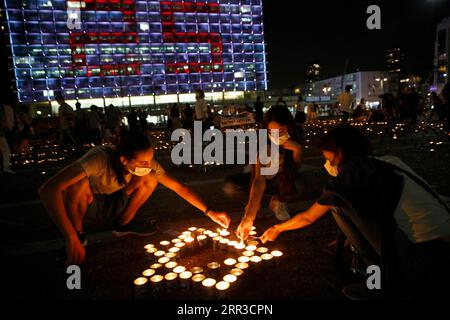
(253,228)
(267,259)
(213,268)
(174,241)
(185,279)
(222,288)
(190,244)
(256,259)
(149,273)
(183,237)
(230,262)
(230,278)
(240,246)
(149,246)
(237,272)
(208,285)
(170,280)
(242,265)
(253,233)
(197,270)
(170,265)
(223,232)
(249,253)
(224,243)
(212,235)
(216,242)
(156,283)
(156,266)
(176,251)
(277,254)
(151,254)
(253,243)
(171,255)
(163,260)
(207,232)
(244,259)
(192,229)
(164,244)
(250,248)
(201,231)
(180,245)
(140,287)
(197,283)
(159,254)
(179,269)
(262,250)
(202,240)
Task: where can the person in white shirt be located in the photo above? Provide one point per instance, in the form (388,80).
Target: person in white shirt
(200,106)
(346,103)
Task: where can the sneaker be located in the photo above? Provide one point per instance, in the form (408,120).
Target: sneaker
(359,292)
(8,170)
(280,209)
(137,229)
(83,239)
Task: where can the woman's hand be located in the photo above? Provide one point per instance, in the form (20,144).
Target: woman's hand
(243,231)
(76,253)
(220,218)
(271,234)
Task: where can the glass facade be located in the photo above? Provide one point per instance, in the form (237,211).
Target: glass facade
(117,48)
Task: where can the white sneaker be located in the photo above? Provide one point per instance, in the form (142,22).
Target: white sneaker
(8,170)
(280,209)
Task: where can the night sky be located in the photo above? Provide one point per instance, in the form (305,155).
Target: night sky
(299,31)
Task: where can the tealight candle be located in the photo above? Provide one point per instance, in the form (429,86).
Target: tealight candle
(230,262)
(164,244)
(179,269)
(223,233)
(253,243)
(237,272)
(185,279)
(180,245)
(240,246)
(149,246)
(262,250)
(253,233)
(192,229)
(171,255)
(242,265)
(188,233)
(224,243)
(159,254)
(163,260)
(212,235)
(156,266)
(208,285)
(202,240)
(213,268)
(201,231)
(140,287)
(250,248)
(256,259)
(156,283)
(207,232)
(230,278)
(170,265)
(249,253)
(216,242)
(151,254)
(253,228)
(276,253)
(174,241)
(149,273)
(222,288)
(175,251)
(244,259)
(197,270)
(183,236)
(170,280)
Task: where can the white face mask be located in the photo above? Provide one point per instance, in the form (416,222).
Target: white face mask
(281,140)
(332,170)
(140,172)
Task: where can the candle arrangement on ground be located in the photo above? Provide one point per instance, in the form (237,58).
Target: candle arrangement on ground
(203,264)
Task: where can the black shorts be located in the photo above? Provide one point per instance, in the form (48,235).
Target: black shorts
(106,209)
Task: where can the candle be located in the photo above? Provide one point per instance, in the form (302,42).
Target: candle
(253,228)
(253,233)
(197,283)
(159,254)
(190,244)
(156,283)
(256,259)
(149,246)
(188,233)
(250,248)
(201,231)
(262,250)
(223,233)
(170,280)
(213,268)
(185,279)
(156,266)
(249,253)
(207,232)
(174,241)
(208,285)
(230,262)
(179,269)
(171,255)
(253,243)
(237,272)
(170,265)
(197,270)
(242,265)
(224,243)
(216,242)
(183,237)
(192,229)
(140,287)
(212,235)
(151,254)
(222,288)
(230,278)
(163,260)
(165,244)
(240,246)
(175,251)
(180,245)
(202,240)
(267,257)
(276,253)
(244,259)
(149,273)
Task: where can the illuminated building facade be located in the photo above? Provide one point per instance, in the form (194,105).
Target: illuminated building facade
(442,54)
(133,52)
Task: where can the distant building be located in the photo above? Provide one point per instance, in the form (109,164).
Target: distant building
(313,72)
(395,60)
(368,85)
(442,54)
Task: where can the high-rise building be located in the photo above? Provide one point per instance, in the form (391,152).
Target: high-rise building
(313,72)
(442,54)
(395,60)
(135,51)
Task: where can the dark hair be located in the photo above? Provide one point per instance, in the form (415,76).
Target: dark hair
(130,143)
(59,97)
(201,93)
(281,115)
(348,87)
(350,140)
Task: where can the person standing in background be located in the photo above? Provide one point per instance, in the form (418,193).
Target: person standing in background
(4,147)
(200,106)
(259,110)
(66,122)
(346,103)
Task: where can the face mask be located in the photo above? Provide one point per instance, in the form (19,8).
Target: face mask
(140,172)
(281,140)
(332,170)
